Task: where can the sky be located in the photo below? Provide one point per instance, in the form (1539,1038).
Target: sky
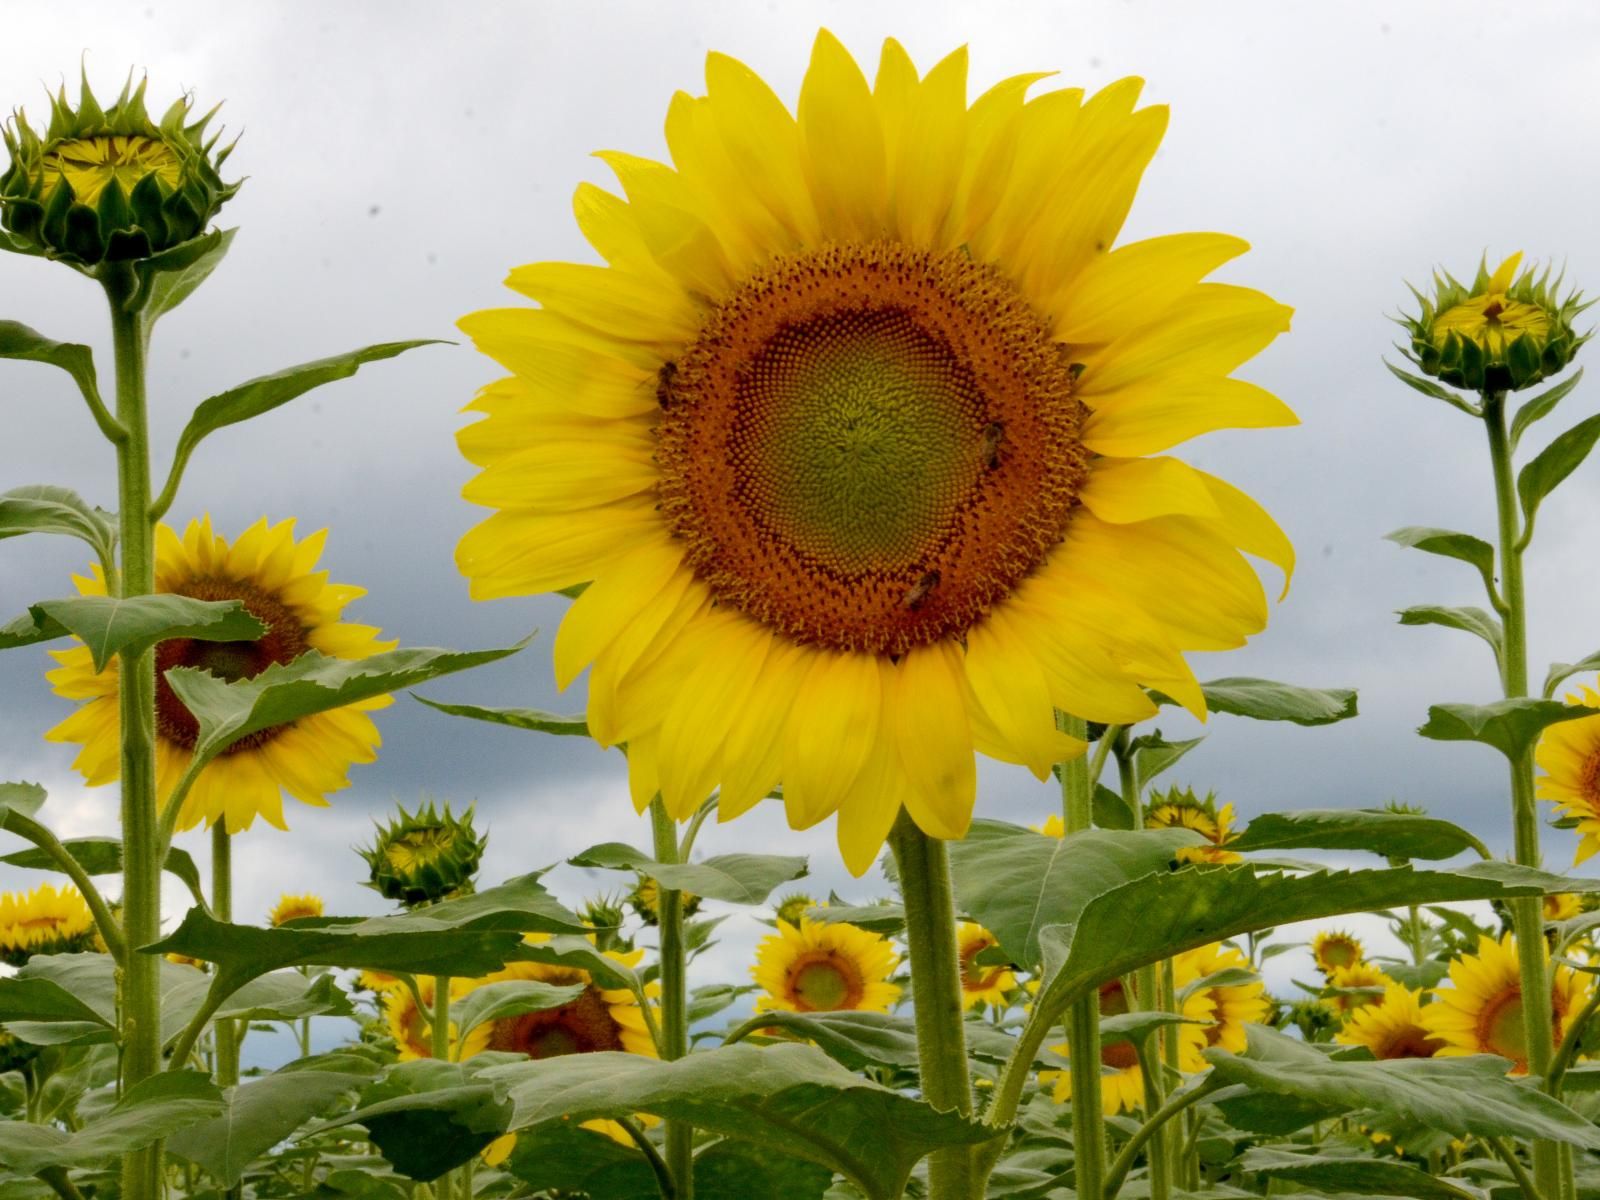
(401,157)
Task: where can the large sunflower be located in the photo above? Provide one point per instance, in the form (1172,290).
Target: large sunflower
(276,579)
(1232,1006)
(599,1019)
(44,921)
(1391,1028)
(1569,752)
(849,441)
(825,966)
(1121,1077)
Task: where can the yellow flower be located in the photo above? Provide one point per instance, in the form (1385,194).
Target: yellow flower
(412,1027)
(858,441)
(1561,906)
(1121,1079)
(824,966)
(1391,1028)
(1492,319)
(379,981)
(292,908)
(276,579)
(1569,752)
(1481,1012)
(1360,977)
(1053,826)
(184,960)
(44,921)
(599,1019)
(1335,949)
(646,895)
(1182,809)
(796,905)
(980,983)
(1232,1007)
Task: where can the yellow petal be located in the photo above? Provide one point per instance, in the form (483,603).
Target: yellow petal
(1156,414)
(709,701)
(1120,491)
(1504,274)
(833,726)
(566,375)
(1119,291)
(617,303)
(753,754)
(612,603)
(521,553)
(1248,526)
(557,475)
(1009,685)
(843,143)
(762,143)
(927,713)
(869,808)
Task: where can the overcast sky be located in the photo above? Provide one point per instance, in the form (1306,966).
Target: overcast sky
(403,156)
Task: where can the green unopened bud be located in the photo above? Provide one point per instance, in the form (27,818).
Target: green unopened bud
(109,184)
(1504,332)
(604,916)
(646,899)
(425,857)
(794,906)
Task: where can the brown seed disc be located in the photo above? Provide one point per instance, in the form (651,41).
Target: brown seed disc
(583,1026)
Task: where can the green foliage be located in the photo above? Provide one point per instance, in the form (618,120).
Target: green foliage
(1560,672)
(17,341)
(1447,543)
(516,718)
(103,856)
(40,508)
(1359,1173)
(23,798)
(428,1117)
(735,878)
(1545,472)
(560,1157)
(508,998)
(109,626)
(151,1110)
(1264,700)
(1468,619)
(1541,406)
(1510,726)
(1376,830)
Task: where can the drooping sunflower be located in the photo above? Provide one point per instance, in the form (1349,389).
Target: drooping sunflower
(46,920)
(824,966)
(980,982)
(1334,948)
(1391,1028)
(411,1027)
(1569,752)
(292,908)
(1361,984)
(1121,1078)
(276,579)
(1481,1012)
(1180,808)
(1232,1006)
(857,441)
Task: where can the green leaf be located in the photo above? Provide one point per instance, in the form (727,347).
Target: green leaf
(153,1109)
(24,798)
(1560,672)
(1110,810)
(30,629)
(35,998)
(855,1039)
(580,952)
(1554,463)
(1510,726)
(561,1158)
(312,683)
(1541,406)
(1447,543)
(1428,388)
(167,279)
(508,998)
(429,1117)
(1358,1173)
(268,392)
(103,856)
(1134,1027)
(791,1099)
(738,1170)
(516,718)
(712,998)
(257,1115)
(19,342)
(40,508)
(735,878)
(1452,1095)
(1153,754)
(1376,830)
(876,918)
(1469,620)
(109,626)
(1265,700)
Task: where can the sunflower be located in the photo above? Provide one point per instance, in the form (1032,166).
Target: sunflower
(1232,1007)
(795,905)
(1335,948)
(1121,1079)
(1391,1028)
(411,1027)
(1481,1012)
(981,983)
(825,966)
(1569,752)
(1561,906)
(599,1019)
(44,921)
(1182,809)
(292,908)
(276,579)
(856,440)
(1362,983)
(1053,826)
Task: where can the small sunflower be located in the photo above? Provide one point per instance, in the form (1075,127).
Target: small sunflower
(645,899)
(1363,982)
(293,908)
(1232,1007)
(1481,1012)
(1562,906)
(858,442)
(1391,1028)
(796,905)
(825,966)
(1182,809)
(1569,752)
(980,983)
(412,1027)
(276,579)
(1121,1079)
(1335,948)
(1053,826)
(184,960)
(44,921)
(379,981)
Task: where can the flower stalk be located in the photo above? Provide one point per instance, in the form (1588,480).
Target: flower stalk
(444,1186)
(1083,1016)
(674,994)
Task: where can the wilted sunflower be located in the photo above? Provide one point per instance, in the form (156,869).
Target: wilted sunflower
(1569,752)
(1122,1080)
(44,921)
(276,579)
(980,982)
(857,441)
(1362,984)
(1232,1007)
(1335,948)
(1481,1012)
(825,966)
(1391,1028)
(292,908)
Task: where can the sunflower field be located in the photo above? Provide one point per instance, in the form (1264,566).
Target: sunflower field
(851,467)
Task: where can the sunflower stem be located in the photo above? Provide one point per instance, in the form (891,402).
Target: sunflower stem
(445,1185)
(674,994)
(227,1029)
(1527,913)
(140,999)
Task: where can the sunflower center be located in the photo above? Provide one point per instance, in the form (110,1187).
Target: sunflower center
(89,164)
(976,978)
(581,1027)
(1589,779)
(825,982)
(283,642)
(1119,1056)
(1409,1041)
(1500,1027)
(869,445)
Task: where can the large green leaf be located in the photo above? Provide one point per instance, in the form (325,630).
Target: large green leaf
(863,1039)
(103,856)
(508,998)
(1377,830)
(30,629)
(1541,406)
(1469,619)
(570,951)
(1265,700)
(1510,726)
(259,1114)
(517,718)
(1453,1095)
(792,1099)
(1015,882)
(312,683)
(1561,671)
(736,878)
(169,278)
(40,508)
(20,342)
(428,1117)
(1447,543)
(1361,1174)
(734,1169)
(156,1108)
(109,626)
(1545,472)
(560,1157)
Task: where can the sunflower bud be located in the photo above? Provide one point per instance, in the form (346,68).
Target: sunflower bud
(794,906)
(646,898)
(1505,332)
(604,915)
(425,857)
(110,184)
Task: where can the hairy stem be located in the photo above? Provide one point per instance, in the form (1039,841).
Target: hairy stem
(1083,1016)
(674,994)
(444,1187)
(1155,1124)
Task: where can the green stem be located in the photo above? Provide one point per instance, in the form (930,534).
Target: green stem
(1156,1123)
(658,1165)
(60,1183)
(674,994)
(924,869)
(1083,1017)
(227,1030)
(141,862)
(689,834)
(1508,1155)
(1568,1050)
(48,842)
(1527,913)
(444,1186)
